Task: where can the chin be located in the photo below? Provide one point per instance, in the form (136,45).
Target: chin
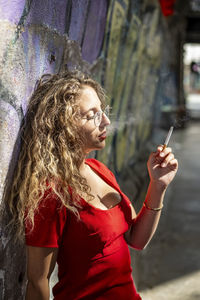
(96,147)
(101,145)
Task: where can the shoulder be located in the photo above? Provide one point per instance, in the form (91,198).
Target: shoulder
(102,169)
(49,203)
(96,164)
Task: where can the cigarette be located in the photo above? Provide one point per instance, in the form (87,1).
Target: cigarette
(168,137)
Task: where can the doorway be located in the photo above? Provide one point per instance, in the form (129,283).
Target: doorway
(191,79)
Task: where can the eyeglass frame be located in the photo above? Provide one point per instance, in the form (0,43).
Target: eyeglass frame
(99,114)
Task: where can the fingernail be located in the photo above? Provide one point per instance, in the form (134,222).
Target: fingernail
(163,165)
(161,154)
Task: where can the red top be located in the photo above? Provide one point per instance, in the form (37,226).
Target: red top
(93,257)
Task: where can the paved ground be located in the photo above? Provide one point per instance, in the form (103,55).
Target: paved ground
(170,266)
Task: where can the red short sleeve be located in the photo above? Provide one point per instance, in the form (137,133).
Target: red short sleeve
(50,219)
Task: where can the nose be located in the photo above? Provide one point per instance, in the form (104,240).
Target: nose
(105,121)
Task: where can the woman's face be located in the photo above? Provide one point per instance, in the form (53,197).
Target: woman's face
(93,136)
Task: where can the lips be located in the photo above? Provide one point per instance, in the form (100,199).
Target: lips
(103,135)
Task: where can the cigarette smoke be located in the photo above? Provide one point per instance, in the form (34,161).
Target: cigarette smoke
(178,123)
(128,119)
(119,125)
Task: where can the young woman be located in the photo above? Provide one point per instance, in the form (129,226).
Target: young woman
(73,209)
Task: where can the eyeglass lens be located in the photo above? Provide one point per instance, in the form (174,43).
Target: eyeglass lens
(99,114)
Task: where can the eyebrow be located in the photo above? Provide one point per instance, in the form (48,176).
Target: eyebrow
(92,108)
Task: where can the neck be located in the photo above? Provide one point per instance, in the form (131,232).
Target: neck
(83,166)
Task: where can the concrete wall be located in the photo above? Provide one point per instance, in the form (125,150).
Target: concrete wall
(121,43)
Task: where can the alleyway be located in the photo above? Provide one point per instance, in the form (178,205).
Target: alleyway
(171,263)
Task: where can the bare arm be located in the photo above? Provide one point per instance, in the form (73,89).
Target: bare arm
(40,265)
(146,222)
(162,169)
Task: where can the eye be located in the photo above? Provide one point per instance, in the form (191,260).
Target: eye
(90,116)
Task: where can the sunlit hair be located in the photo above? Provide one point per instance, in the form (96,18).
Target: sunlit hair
(51,148)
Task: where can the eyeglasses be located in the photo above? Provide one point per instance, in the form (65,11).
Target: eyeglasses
(98,116)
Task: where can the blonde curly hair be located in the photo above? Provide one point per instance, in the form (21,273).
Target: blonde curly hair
(51,148)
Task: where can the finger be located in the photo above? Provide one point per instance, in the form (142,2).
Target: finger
(165,152)
(173,164)
(160,157)
(167,159)
(160,148)
(157,152)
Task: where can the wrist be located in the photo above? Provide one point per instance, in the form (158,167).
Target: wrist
(158,186)
(156,209)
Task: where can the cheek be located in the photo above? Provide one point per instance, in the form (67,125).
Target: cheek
(87,135)
(90,135)
(88,130)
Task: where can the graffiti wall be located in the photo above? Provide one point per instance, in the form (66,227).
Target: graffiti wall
(118,42)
